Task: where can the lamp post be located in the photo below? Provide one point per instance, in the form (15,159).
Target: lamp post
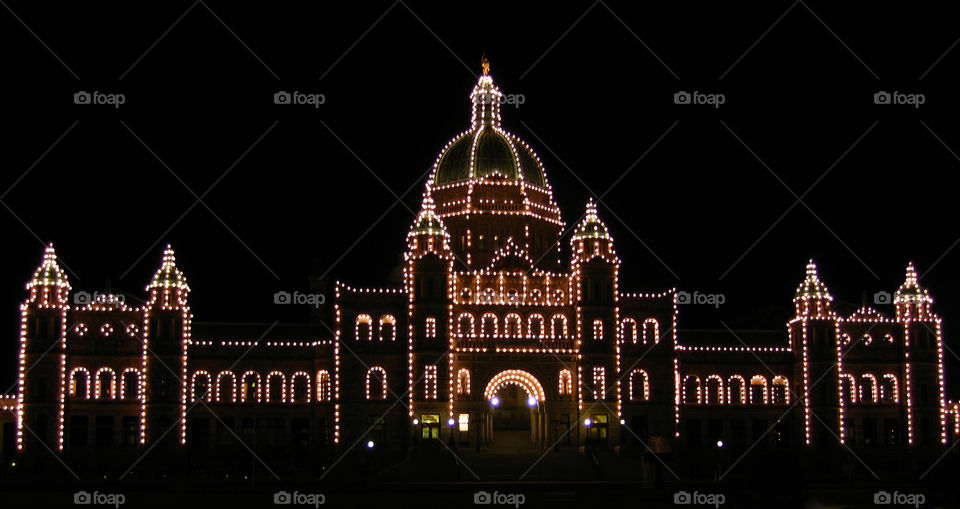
(587,423)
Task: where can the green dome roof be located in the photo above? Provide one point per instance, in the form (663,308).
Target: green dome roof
(486,151)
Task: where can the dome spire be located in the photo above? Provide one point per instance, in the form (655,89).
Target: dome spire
(486,98)
(168,275)
(49,273)
(912,300)
(812,297)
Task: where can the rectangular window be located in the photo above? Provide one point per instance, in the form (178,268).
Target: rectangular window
(430,425)
(248,430)
(78,430)
(869,432)
(597,329)
(430,328)
(463,422)
(131,429)
(430,382)
(599,383)
(891,431)
(225,436)
(300,433)
(104,430)
(601,425)
(274,436)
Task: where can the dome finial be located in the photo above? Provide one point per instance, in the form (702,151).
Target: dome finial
(485,65)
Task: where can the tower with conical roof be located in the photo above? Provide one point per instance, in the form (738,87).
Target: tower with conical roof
(489,186)
(813,337)
(166,335)
(923,360)
(43,326)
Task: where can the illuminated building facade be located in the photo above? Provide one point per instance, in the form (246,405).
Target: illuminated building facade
(491,324)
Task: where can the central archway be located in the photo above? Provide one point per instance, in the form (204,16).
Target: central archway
(525,380)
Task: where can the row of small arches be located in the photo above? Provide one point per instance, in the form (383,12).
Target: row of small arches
(104,384)
(738,392)
(866,339)
(871,389)
(250,387)
(510,296)
(386,330)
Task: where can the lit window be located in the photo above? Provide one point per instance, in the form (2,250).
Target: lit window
(430,328)
(430,382)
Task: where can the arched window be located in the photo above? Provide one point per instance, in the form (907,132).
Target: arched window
(200,386)
(375,384)
(388,328)
(845,339)
(130,383)
(714,390)
(890,389)
(364,327)
(848,388)
(80,383)
(323,386)
(487,297)
(465,326)
(463,381)
(651,331)
(226,387)
(628,331)
(300,387)
(466,296)
(599,383)
(758,390)
(558,297)
(641,393)
(781,391)
(251,390)
(888,338)
(598,329)
(276,389)
(511,326)
(558,326)
(736,390)
(535,296)
(430,327)
(106,384)
(691,390)
(868,388)
(488,326)
(565,383)
(535,329)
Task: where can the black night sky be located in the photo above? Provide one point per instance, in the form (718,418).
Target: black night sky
(702,198)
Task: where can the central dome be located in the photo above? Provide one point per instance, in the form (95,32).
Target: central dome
(486,151)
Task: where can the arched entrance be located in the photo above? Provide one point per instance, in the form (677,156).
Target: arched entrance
(516,407)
